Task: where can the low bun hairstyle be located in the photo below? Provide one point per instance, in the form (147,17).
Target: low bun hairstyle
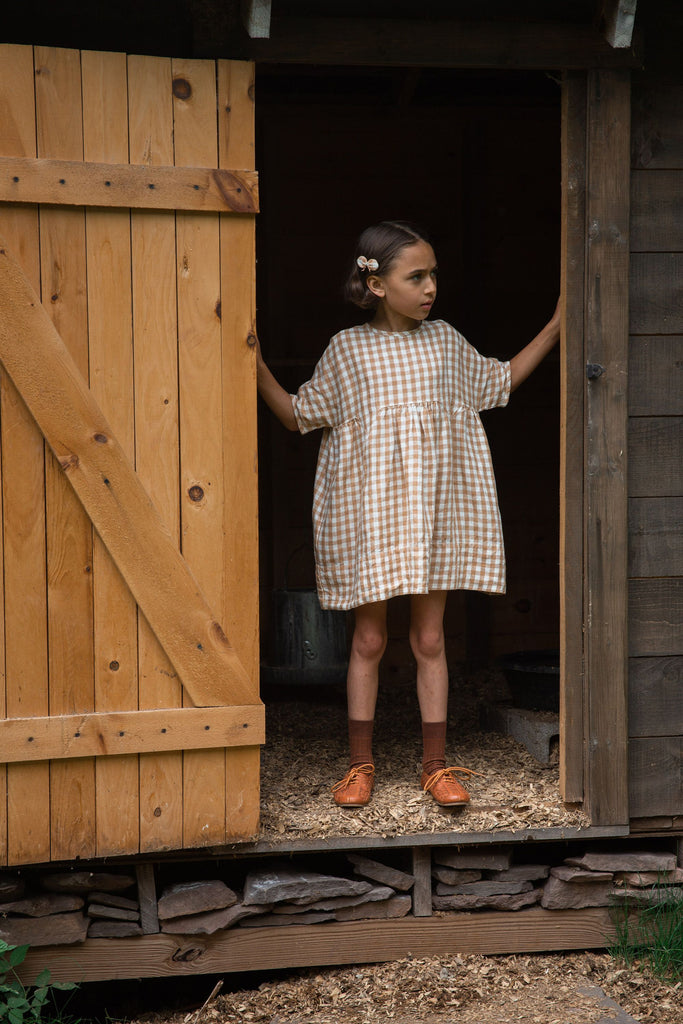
(382,242)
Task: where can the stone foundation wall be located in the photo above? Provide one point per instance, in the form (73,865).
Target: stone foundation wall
(45,908)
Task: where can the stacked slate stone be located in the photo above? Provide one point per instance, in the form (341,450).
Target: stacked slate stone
(202,908)
(603,879)
(477,881)
(65,907)
(282,895)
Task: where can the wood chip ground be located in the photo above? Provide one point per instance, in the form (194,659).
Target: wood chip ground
(448,990)
(306,753)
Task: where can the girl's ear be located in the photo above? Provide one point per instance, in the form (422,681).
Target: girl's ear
(375,285)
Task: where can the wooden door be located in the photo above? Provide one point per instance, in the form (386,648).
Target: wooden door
(131,717)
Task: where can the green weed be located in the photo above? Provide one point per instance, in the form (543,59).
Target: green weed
(20,1004)
(652,933)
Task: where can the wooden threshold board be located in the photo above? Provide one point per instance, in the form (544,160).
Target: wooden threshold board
(264,949)
(377,842)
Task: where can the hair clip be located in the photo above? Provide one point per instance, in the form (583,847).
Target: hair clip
(366,264)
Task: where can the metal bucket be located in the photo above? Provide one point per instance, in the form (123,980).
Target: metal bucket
(309,644)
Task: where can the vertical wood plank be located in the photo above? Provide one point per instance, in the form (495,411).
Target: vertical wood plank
(105,138)
(608,169)
(150,115)
(422,890)
(147,898)
(69,532)
(571,436)
(240,595)
(3,696)
(23,491)
(201,411)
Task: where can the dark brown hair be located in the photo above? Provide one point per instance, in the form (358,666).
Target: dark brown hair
(382,242)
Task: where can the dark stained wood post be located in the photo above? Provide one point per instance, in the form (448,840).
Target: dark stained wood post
(606,543)
(573,270)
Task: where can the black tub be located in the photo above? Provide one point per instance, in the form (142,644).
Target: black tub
(533,678)
(309,644)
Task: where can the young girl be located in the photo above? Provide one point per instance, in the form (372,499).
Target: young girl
(405,499)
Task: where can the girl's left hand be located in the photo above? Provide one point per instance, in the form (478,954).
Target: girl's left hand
(555,318)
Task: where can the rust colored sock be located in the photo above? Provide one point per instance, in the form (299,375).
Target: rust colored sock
(433,746)
(360,741)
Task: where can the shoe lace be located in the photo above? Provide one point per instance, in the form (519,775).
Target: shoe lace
(352,775)
(445,773)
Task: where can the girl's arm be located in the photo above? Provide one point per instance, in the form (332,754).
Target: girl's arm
(526,361)
(273,394)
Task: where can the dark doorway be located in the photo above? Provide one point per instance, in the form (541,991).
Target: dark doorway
(475,158)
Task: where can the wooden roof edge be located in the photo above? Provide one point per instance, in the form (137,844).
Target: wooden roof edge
(515,45)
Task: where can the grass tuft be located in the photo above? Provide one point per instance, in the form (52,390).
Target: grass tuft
(650,933)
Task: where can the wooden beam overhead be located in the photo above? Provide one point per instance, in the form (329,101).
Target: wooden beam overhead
(617,18)
(446,43)
(256,18)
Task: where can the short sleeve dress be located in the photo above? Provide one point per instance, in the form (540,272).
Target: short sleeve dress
(405,498)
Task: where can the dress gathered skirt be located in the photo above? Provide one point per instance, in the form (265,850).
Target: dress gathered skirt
(405,498)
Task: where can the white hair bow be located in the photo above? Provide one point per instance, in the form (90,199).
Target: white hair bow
(366,264)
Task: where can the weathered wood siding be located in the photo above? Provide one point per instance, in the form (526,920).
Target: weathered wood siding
(655,446)
(145,346)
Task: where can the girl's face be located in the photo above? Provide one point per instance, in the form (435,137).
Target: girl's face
(408,289)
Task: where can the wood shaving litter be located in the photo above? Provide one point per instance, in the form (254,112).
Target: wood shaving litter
(469,989)
(306,753)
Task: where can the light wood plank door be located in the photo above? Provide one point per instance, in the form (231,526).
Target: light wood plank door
(128,462)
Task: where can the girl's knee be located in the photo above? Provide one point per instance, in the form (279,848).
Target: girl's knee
(427,642)
(369,643)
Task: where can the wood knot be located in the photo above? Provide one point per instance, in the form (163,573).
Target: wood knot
(196,492)
(101,438)
(234,191)
(182,90)
(69,461)
(187,955)
(218,635)
(251,339)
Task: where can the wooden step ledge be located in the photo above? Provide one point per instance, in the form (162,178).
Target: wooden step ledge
(265,949)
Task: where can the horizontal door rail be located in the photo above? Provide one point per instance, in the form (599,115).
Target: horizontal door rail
(130,732)
(139,186)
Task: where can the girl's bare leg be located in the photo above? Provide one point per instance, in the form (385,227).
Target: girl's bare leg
(427,643)
(367,648)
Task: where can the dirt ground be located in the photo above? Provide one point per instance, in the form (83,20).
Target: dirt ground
(536,989)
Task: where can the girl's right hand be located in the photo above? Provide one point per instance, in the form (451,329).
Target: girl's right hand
(272,393)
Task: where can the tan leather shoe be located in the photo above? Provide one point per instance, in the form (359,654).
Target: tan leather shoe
(355,788)
(445,787)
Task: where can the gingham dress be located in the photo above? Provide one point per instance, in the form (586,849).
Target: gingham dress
(405,499)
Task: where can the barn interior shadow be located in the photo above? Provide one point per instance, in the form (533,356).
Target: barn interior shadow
(474,157)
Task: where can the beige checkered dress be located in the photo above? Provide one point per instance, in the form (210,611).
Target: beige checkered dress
(405,499)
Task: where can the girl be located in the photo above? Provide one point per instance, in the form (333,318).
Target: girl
(405,500)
